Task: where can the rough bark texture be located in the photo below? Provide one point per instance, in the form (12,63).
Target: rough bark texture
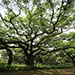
(30,61)
(9,52)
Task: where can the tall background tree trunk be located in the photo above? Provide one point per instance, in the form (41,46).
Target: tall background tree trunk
(9,52)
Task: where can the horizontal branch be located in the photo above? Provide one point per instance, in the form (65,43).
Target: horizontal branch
(54,50)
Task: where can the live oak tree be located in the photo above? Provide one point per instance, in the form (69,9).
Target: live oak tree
(33,26)
(18,57)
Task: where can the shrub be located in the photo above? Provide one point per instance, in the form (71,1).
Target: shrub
(29,67)
(12,68)
(20,68)
(2,65)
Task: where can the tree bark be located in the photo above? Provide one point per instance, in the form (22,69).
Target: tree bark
(9,52)
(30,61)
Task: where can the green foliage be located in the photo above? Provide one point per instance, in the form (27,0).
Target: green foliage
(2,65)
(8,68)
(33,27)
(27,68)
(55,67)
(23,68)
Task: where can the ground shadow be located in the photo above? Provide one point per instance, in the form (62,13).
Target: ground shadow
(67,71)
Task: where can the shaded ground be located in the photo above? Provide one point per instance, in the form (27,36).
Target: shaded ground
(67,71)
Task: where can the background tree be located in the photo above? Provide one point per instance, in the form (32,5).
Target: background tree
(4,56)
(33,26)
(18,57)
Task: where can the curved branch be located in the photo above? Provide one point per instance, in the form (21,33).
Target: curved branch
(15,16)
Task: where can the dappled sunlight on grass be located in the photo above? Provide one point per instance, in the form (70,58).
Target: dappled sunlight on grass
(67,71)
(43,71)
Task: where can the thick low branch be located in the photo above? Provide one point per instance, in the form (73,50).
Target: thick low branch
(54,50)
(14,42)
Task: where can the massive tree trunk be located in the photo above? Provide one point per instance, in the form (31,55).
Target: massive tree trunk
(30,61)
(9,52)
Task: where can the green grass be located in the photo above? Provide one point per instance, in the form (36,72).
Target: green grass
(67,71)
(17,67)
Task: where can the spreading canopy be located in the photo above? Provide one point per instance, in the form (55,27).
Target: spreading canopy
(33,27)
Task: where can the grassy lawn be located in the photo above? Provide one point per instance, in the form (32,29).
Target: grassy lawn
(67,71)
